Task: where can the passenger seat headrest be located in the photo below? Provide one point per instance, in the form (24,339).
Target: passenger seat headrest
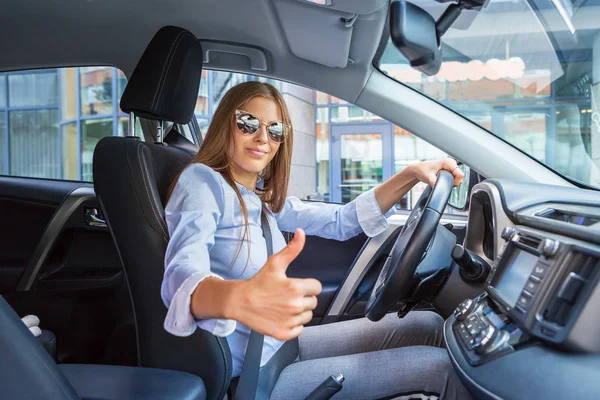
(164,84)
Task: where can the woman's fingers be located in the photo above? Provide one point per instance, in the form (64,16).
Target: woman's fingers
(301,319)
(310,302)
(450,164)
(306,286)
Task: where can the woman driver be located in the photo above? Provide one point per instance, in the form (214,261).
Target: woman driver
(218,277)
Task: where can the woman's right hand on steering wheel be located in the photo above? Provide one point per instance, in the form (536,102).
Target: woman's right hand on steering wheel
(273,304)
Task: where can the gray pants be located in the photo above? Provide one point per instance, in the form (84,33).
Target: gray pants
(390,359)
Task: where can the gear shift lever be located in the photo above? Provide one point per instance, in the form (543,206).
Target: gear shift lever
(472,267)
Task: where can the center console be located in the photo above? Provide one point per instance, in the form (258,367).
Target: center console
(541,288)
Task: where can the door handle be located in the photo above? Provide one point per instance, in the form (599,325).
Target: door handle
(93,217)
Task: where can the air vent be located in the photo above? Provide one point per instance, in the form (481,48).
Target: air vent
(569,217)
(579,269)
(529,241)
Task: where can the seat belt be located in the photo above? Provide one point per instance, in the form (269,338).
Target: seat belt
(248,383)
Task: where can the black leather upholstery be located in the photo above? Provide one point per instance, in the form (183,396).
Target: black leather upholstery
(48,341)
(164,85)
(176,139)
(126,383)
(131,180)
(26,370)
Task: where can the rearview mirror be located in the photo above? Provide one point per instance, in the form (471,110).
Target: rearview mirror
(414,33)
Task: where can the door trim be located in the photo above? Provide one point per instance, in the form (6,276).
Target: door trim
(60,217)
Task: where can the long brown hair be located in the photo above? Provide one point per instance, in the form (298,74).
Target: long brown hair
(217,141)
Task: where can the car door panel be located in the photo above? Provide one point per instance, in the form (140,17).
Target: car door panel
(27,206)
(55,265)
(328,261)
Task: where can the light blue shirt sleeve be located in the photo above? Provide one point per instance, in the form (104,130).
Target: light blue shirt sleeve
(335,221)
(192,214)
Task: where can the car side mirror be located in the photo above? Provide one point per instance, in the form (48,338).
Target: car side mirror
(459,198)
(414,33)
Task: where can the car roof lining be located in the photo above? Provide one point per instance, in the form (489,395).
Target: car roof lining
(112,32)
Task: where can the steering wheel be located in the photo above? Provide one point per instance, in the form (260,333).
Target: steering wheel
(395,281)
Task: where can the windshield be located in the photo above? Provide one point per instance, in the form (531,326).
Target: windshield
(527,71)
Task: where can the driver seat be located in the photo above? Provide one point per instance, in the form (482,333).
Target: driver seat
(131,180)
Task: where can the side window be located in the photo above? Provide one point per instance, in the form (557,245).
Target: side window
(340,150)
(52,119)
(357,150)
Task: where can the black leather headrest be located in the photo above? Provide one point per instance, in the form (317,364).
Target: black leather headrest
(164,85)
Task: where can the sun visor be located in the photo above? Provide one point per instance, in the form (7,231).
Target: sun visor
(350,6)
(326,40)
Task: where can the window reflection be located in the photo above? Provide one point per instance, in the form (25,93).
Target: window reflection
(91,133)
(3,91)
(33,138)
(362,164)
(56,117)
(70,148)
(121,83)
(3,156)
(202,102)
(33,90)
(322,136)
(96,90)
(68,80)
(536,79)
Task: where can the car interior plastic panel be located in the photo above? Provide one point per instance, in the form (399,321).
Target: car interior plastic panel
(528,336)
(532,373)
(517,195)
(336,28)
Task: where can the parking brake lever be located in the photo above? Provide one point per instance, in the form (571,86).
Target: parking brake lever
(328,388)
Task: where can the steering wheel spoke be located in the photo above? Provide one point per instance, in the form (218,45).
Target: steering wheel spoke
(396,281)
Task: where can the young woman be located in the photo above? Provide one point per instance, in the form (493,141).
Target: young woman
(218,277)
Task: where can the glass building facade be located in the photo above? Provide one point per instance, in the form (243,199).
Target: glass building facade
(51,120)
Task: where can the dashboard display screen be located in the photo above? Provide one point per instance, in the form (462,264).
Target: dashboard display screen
(516,273)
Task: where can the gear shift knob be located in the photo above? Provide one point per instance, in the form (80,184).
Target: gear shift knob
(472,267)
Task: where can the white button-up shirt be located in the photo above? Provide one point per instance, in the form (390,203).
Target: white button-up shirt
(206,225)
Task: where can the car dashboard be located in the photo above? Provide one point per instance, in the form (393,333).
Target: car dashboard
(535,331)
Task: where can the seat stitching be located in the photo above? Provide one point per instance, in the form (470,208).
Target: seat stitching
(167,73)
(163,74)
(156,211)
(226,364)
(153,203)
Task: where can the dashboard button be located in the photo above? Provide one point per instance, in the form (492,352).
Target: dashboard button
(484,339)
(540,270)
(507,233)
(532,286)
(520,309)
(549,247)
(524,301)
(464,309)
(548,332)
(571,287)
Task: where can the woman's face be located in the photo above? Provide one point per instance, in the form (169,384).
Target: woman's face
(251,153)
